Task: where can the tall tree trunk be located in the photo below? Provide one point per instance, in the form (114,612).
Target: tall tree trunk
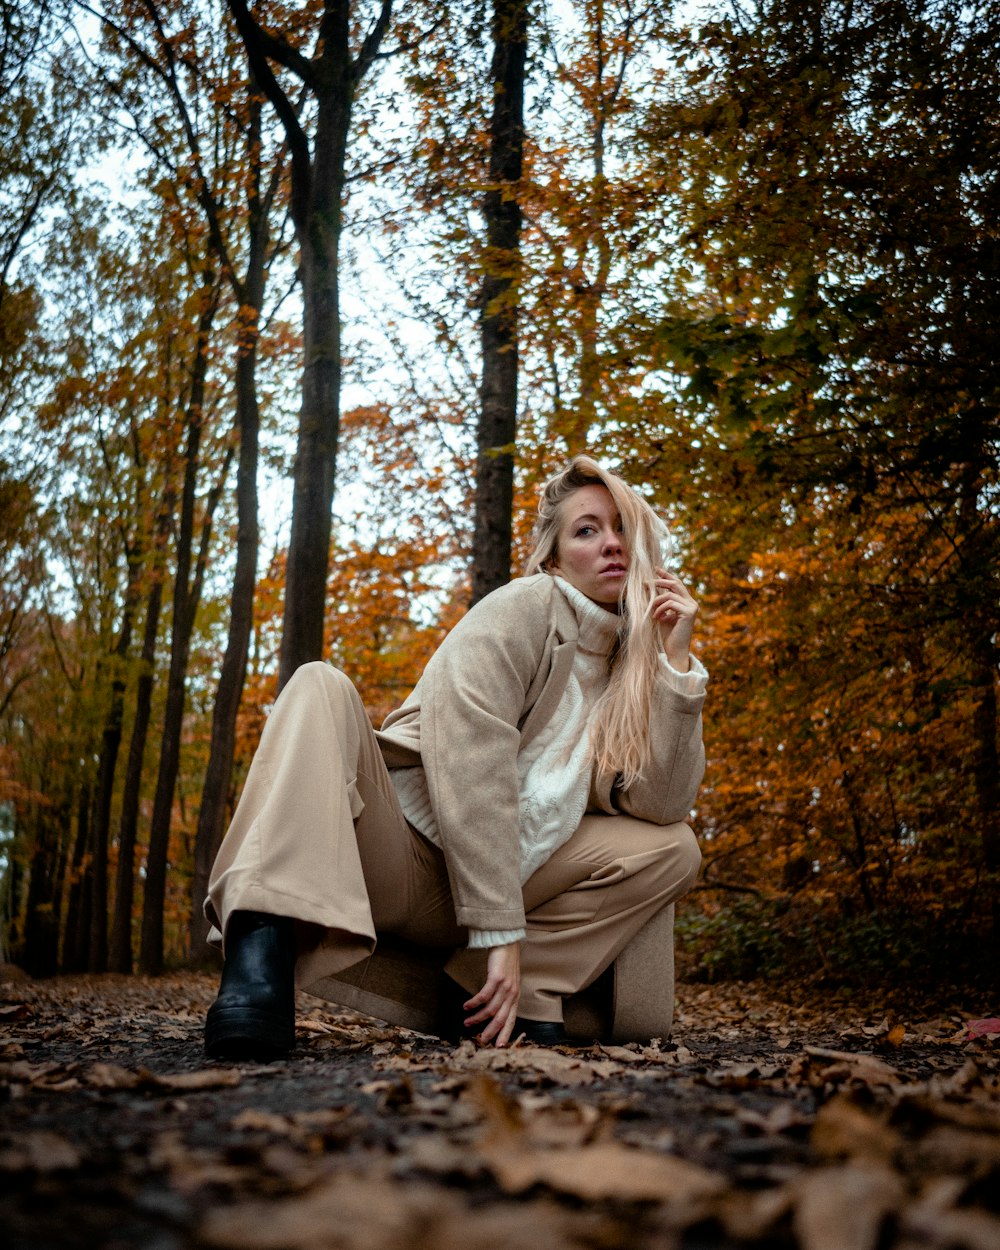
(184,607)
(491,544)
(80,896)
(111,738)
(318,224)
(318,180)
(986,774)
(120,957)
(211,813)
(39,953)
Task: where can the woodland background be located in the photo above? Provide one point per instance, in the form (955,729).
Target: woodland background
(747,253)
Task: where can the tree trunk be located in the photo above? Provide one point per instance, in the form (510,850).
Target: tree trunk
(40,947)
(318,179)
(318,227)
(986,773)
(79,900)
(111,738)
(184,606)
(211,813)
(491,545)
(120,959)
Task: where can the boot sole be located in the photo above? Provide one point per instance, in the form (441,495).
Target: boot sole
(247,1033)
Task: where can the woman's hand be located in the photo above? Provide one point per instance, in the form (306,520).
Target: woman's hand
(497,1000)
(674,611)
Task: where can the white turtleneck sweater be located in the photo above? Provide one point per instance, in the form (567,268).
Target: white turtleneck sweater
(553,769)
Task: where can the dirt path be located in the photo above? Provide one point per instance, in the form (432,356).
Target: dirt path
(756,1124)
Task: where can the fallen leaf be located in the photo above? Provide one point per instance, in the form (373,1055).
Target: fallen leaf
(360,1212)
(204,1078)
(39,1151)
(751,1216)
(840,1065)
(982,1028)
(110,1076)
(935,1220)
(843,1130)
(606,1170)
(843,1208)
(558,1068)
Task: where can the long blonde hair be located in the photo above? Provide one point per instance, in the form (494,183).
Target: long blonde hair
(619,737)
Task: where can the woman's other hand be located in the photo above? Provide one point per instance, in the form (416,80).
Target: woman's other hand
(674,611)
(495,1006)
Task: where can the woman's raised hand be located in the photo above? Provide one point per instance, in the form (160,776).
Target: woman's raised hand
(674,611)
(497,1000)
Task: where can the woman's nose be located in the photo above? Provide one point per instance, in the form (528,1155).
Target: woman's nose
(612,541)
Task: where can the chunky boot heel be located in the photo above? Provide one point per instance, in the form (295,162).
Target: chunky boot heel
(253,1017)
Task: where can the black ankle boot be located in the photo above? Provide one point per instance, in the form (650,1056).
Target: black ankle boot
(254,1015)
(541,1032)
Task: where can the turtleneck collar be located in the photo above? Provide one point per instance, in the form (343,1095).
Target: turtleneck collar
(598,626)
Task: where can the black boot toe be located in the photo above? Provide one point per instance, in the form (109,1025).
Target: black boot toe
(253,1017)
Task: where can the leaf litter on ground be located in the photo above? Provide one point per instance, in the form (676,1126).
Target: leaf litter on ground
(824,1127)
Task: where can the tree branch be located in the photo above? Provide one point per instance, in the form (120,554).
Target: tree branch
(260,46)
(370,47)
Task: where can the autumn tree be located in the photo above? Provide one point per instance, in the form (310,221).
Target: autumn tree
(275,39)
(179,76)
(497,425)
(828,340)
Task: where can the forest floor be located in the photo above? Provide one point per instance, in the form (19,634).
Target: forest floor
(824,1124)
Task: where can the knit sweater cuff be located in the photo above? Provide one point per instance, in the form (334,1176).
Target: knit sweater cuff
(482,939)
(693,682)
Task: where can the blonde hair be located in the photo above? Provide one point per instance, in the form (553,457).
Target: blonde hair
(619,737)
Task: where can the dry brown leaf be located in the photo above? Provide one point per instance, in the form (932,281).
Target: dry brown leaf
(350,1212)
(962,1081)
(404,1063)
(751,1216)
(950,1149)
(622,1054)
(354,1212)
(189,1170)
(110,1076)
(963,1228)
(252,1120)
(741,1075)
(204,1078)
(606,1170)
(559,1068)
(778,1120)
(843,1130)
(38,1151)
(843,1208)
(979,1116)
(44,1075)
(840,1065)
(517,1226)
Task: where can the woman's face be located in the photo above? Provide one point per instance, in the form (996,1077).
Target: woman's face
(592,552)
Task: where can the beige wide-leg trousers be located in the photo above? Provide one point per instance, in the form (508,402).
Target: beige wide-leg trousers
(319,836)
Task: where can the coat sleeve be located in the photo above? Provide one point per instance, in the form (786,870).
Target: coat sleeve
(469,702)
(666,792)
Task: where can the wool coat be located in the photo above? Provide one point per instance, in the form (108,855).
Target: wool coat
(494,682)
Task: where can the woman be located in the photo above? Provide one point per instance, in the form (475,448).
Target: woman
(523,806)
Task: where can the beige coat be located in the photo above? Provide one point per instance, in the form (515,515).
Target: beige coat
(493,683)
